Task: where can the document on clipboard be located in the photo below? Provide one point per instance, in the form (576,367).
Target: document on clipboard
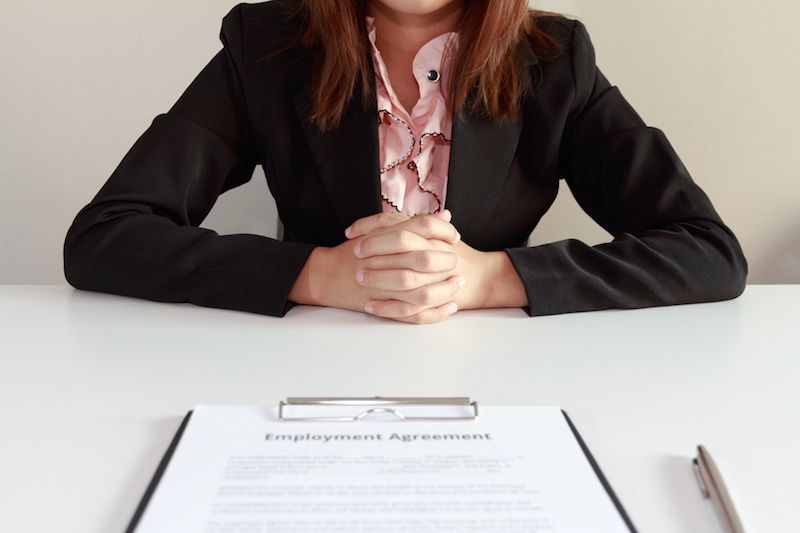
(378,465)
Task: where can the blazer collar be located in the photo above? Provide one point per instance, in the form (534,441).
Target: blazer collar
(348,160)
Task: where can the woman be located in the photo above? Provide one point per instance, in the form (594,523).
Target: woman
(411,148)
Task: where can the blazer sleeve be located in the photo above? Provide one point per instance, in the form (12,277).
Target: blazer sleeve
(139,236)
(669,245)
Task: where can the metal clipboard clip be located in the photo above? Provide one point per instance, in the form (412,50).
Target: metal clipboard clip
(377,405)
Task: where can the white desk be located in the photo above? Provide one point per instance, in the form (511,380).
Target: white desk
(92,388)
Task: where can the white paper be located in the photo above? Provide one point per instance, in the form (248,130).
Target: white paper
(514,469)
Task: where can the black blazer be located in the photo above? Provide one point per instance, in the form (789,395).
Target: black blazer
(139,236)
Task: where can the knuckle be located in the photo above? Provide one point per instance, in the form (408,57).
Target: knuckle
(408,279)
(427,224)
(405,309)
(425,260)
(396,238)
(404,238)
(424,296)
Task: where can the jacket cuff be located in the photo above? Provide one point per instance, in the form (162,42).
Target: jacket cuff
(551,286)
(259,284)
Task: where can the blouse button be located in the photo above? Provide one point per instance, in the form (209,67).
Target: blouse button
(433,75)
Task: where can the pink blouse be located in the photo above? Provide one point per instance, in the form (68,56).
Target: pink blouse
(414,147)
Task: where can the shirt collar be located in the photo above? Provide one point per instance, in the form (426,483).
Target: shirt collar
(429,56)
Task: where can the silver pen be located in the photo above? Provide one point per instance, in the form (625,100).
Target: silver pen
(711,486)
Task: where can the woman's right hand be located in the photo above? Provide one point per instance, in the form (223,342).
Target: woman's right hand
(420,280)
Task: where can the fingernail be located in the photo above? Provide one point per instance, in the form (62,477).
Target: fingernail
(458,236)
(360,277)
(348,231)
(451,308)
(369,308)
(448,215)
(461,281)
(357,249)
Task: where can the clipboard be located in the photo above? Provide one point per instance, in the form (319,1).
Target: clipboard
(376,405)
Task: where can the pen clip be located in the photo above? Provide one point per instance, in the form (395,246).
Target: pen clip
(700,481)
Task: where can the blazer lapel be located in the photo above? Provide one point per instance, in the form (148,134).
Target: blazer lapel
(481,152)
(346,157)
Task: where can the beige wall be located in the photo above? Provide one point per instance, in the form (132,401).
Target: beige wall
(80,81)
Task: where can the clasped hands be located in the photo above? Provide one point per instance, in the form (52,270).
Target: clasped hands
(408,268)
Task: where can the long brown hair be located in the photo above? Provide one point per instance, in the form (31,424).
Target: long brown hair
(490,66)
